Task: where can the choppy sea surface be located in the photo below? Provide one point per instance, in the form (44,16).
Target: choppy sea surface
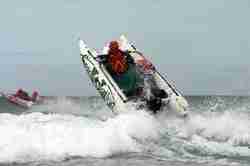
(83,131)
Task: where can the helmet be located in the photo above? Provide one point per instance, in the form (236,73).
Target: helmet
(113,45)
(19,90)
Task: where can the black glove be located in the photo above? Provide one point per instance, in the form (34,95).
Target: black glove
(102,58)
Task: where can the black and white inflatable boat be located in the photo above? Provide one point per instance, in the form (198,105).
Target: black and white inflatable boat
(114,96)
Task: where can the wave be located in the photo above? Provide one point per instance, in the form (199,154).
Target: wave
(37,136)
(87,129)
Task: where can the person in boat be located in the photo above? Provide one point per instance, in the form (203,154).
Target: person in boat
(25,96)
(121,67)
(117,60)
(151,92)
(132,81)
(22,95)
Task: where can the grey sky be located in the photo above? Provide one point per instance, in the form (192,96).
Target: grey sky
(203,46)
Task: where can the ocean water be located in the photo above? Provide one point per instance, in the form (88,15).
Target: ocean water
(83,131)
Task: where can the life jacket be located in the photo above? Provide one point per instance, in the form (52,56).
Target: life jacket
(117,61)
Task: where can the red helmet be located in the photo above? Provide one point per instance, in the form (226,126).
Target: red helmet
(113,45)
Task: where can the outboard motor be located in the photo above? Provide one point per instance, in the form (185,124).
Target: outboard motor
(155,102)
(160,93)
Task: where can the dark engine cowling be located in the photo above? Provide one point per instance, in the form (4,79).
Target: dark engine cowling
(155,102)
